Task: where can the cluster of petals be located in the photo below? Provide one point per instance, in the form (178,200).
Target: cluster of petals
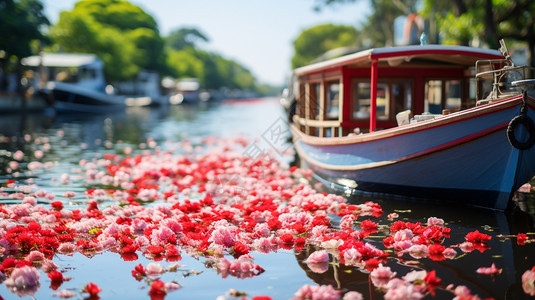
(219,204)
(523,238)
(419,240)
(23,281)
(317,292)
(462,292)
(243,267)
(414,285)
(318,261)
(92,289)
(492,270)
(381,276)
(327,292)
(528,282)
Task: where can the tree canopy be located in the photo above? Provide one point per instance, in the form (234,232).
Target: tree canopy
(479,23)
(185,37)
(378,29)
(315,41)
(127,39)
(20,24)
(186,60)
(124,36)
(212,70)
(484,22)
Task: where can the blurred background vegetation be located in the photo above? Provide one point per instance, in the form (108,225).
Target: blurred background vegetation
(128,40)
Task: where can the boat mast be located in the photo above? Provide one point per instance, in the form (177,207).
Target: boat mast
(373,96)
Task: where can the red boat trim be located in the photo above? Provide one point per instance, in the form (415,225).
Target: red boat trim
(436,51)
(373,96)
(531,103)
(451,144)
(393,52)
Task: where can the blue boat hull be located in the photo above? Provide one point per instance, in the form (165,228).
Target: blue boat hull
(68,97)
(465,157)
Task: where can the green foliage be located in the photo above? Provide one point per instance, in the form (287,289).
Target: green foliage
(147,43)
(480,23)
(212,70)
(378,30)
(185,63)
(315,41)
(457,29)
(484,22)
(185,37)
(21,23)
(74,32)
(128,41)
(186,60)
(379,27)
(118,14)
(121,34)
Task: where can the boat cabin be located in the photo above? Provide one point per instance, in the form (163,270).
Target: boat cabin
(379,88)
(86,70)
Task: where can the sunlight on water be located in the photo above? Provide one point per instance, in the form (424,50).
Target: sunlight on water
(69,142)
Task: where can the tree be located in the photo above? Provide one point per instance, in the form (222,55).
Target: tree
(379,27)
(485,22)
(185,63)
(315,41)
(480,23)
(125,37)
(186,60)
(378,30)
(21,23)
(212,70)
(185,37)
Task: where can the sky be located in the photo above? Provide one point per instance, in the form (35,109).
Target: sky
(257,34)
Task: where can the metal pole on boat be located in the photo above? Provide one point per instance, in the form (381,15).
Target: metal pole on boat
(373,96)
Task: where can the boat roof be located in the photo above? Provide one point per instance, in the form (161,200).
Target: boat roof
(62,60)
(394,56)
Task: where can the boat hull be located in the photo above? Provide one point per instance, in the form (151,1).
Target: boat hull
(71,98)
(465,157)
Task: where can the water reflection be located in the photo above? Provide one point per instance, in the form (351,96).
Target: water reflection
(73,137)
(503,251)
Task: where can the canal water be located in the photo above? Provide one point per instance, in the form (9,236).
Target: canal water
(67,139)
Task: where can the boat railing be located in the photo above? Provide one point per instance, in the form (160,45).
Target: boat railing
(323,127)
(494,78)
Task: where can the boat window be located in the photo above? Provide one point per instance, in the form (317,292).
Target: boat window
(472,89)
(87,73)
(443,94)
(301,101)
(314,104)
(66,74)
(453,95)
(333,96)
(402,95)
(433,96)
(361,100)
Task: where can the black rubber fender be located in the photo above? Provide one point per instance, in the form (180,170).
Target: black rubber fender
(530,127)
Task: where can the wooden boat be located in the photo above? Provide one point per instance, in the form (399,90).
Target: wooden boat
(79,84)
(470,139)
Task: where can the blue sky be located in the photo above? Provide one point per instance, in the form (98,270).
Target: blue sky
(256,34)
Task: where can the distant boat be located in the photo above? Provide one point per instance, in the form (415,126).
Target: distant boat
(186,90)
(470,140)
(79,84)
